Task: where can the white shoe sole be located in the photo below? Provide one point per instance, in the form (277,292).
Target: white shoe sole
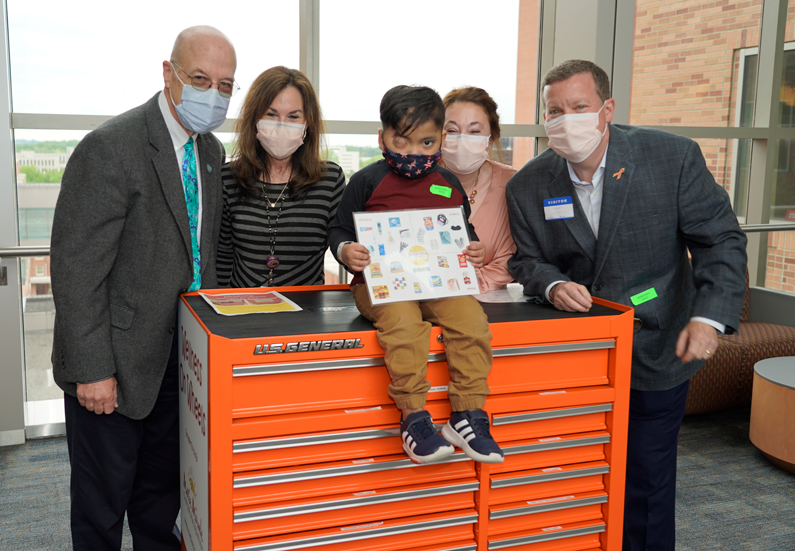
(442,453)
(452,436)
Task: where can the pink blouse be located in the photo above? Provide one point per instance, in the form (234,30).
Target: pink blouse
(490,218)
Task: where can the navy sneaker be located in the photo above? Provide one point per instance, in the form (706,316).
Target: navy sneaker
(421,441)
(469,430)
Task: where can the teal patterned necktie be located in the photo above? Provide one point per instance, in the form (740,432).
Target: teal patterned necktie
(191,185)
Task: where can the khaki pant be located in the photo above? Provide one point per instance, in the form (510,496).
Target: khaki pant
(404,331)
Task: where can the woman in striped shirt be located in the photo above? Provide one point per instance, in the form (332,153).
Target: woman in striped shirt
(279,195)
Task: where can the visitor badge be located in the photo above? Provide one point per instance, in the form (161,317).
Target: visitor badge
(444,191)
(645,296)
(559,208)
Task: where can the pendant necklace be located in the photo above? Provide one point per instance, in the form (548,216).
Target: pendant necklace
(273,261)
(475,187)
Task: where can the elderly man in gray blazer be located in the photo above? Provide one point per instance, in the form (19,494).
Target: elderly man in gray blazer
(613,211)
(136,224)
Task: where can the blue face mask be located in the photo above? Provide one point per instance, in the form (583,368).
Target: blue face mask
(410,165)
(201,112)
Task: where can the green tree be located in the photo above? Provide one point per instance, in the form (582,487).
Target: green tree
(34,176)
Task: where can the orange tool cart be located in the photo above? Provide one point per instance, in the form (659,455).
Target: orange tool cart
(290,441)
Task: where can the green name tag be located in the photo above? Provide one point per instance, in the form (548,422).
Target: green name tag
(444,191)
(645,296)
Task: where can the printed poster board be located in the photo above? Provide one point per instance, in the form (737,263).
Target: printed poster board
(193,433)
(416,254)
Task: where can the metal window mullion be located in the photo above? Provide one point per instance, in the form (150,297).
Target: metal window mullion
(764,151)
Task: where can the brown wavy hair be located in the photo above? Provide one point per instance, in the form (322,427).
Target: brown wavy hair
(479,96)
(250,160)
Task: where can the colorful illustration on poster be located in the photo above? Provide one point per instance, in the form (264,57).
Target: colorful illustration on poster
(425,268)
(381,250)
(442,219)
(435,281)
(452,284)
(379,228)
(445,237)
(442,261)
(375,269)
(381,291)
(428,223)
(418,255)
(405,235)
(399,283)
(395,267)
(462,261)
(467,281)
(394,222)
(417,288)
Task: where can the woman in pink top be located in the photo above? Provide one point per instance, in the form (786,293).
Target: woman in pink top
(473,129)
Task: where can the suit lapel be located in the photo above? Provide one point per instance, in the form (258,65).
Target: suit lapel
(615,187)
(561,186)
(168,173)
(210,161)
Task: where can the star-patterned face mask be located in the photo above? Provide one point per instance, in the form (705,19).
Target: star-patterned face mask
(411,165)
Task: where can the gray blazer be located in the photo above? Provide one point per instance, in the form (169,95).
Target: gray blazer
(121,254)
(665,203)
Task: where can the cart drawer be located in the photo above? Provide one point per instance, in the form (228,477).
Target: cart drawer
(270,389)
(551,481)
(578,536)
(353,508)
(387,535)
(539,513)
(340,477)
(548,367)
(553,451)
(515,426)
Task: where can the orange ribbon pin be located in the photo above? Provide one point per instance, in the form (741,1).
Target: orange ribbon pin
(618,174)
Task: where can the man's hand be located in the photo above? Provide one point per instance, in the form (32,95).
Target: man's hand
(697,341)
(355,256)
(476,253)
(570,297)
(99,397)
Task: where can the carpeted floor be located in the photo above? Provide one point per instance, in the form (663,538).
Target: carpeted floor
(729,497)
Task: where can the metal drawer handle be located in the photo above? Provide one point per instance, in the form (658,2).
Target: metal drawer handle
(548,477)
(343,537)
(515,542)
(551,414)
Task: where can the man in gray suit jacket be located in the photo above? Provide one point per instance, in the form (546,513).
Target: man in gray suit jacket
(136,224)
(614,210)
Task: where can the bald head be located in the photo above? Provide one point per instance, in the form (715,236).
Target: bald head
(194,40)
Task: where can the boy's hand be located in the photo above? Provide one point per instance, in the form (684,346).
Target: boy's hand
(476,253)
(355,256)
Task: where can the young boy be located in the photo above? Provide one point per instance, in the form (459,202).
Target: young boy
(411,139)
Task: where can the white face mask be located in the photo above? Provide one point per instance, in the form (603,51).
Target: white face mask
(465,153)
(575,137)
(280,139)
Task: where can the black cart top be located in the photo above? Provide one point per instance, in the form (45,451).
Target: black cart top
(333,311)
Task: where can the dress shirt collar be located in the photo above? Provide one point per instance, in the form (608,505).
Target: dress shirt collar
(597,177)
(178,134)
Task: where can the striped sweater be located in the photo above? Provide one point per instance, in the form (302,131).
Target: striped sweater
(301,239)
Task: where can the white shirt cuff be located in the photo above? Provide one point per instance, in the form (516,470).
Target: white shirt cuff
(549,288)
(716,324)
(340,246)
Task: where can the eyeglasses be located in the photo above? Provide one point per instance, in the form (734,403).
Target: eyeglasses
(202,84)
